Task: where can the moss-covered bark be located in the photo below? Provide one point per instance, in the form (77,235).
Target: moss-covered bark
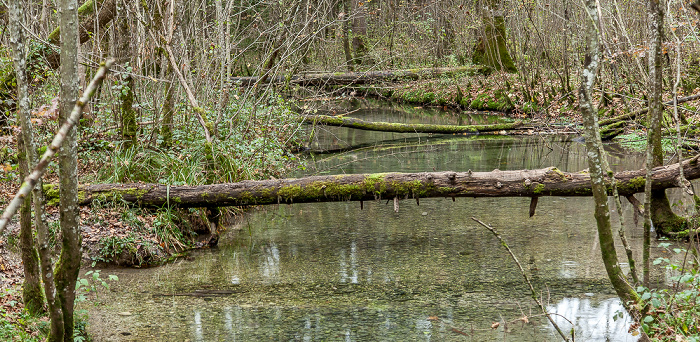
(126,94)
(68,266)
(128,114)
(166,128)
(596,162)
(405,128)
(32,293)
(491,49)
(662,216)
(364,187)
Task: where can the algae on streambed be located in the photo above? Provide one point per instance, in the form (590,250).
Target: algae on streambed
(331,271)
(326,271)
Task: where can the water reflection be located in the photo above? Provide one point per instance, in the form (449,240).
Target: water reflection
(330,271)
(601,321)
(270,263)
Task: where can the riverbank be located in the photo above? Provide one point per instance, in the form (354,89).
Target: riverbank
(125,236)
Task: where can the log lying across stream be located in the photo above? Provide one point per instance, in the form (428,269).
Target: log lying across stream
(354,78)
(365,187)
(405,128)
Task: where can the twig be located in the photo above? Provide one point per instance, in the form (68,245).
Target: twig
(527,280)
(55,145)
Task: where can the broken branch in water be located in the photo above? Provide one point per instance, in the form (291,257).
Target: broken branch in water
(527,280)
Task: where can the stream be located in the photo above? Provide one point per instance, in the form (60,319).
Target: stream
(336,272)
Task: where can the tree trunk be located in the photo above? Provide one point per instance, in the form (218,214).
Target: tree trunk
(166,129)
(346,36)
(596,156)
(68,265)
(491,49)
(359,31)
(404,128)
(32,294)
(363,187)
(31,289)
(126,93)
(662,216)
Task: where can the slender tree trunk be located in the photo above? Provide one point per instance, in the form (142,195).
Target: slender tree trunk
(658,213)
(166,129)
(32,294)
(346,36)
(359,31)
(31,290)
(627,294)
(126,94)
(68,264)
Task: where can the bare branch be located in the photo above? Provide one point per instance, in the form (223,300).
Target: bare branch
(55,145)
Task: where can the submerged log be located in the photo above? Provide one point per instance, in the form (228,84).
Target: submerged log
(364,187)
(405,128)
(353,78)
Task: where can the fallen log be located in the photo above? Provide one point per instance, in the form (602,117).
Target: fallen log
(632,115)
(353,78)
(364,187)
(405,128)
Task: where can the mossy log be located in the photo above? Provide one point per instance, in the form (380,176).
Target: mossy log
(405,128)
(353,78)
(364,187)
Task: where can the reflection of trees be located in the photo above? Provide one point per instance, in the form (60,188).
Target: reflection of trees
(461,153)
(595,322)
(270,263)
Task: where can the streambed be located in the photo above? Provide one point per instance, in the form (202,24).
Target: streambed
(336,272)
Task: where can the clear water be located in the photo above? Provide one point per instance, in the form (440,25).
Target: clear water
(334,272)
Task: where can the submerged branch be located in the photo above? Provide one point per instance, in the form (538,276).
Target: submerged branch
(527,280)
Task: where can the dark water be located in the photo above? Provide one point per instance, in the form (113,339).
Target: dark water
(333,272)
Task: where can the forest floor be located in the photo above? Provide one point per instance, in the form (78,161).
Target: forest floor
(110,232)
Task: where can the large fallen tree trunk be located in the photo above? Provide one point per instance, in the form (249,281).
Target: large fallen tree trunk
(405,128)
(364,187)
(352,78)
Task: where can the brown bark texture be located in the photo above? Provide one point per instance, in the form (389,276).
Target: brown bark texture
(364,187)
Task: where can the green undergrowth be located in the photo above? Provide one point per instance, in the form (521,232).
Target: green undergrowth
(256,142)
(673,313)
(501,92)
(637,141)
(253,141)
(149,237)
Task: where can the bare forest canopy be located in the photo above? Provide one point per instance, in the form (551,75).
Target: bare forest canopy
(218,44)
(366,187)
(355,78)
